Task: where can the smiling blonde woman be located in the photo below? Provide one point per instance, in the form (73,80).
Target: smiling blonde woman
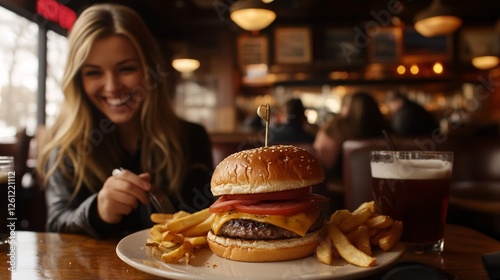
(117,113)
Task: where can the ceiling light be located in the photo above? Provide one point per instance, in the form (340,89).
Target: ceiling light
(185,65)
(485,62)
(414,69)
(436,20)
(401,69)
(438,68)
(252,15)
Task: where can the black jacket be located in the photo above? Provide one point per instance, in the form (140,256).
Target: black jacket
(80,214)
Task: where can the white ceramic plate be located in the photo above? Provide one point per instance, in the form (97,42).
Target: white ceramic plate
(206,265)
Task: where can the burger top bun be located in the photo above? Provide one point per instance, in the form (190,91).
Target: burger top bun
(266,169)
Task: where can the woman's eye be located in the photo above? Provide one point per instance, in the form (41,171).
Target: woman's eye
(128,69)
(91,73)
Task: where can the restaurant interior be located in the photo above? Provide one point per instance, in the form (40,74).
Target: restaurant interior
(337,41)
(320,51)
(226,58)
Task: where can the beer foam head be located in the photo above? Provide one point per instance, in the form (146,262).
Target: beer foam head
(412,169)
(4,178)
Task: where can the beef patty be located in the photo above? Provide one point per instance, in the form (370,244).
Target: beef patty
(250,229)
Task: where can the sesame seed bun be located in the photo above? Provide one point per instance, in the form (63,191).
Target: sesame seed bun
(266,169)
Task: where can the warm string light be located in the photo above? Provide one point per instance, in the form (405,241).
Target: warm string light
(437,68)
(401,69)
(414,69)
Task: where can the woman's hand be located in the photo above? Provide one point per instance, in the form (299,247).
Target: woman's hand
(121,194)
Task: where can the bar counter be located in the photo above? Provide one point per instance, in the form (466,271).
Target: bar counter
(41,255)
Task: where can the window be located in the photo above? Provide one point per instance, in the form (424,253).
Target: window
(19,73)
(57,49)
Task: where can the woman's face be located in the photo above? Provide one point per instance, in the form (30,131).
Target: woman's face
(113,79)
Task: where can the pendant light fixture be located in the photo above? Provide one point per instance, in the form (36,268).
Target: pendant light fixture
(184,61)
(185,64)
(483,45)
(485,62)
(252,15)
(437,20)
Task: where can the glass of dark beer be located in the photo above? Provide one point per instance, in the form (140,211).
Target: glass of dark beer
(414,187)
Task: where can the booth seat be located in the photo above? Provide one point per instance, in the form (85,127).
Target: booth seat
(475,192)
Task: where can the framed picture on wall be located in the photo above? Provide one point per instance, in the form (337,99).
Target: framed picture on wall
(385,45)
(252,50)
(341,47)
(292,45)
(418,48)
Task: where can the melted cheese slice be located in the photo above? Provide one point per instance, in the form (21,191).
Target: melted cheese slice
(298,223)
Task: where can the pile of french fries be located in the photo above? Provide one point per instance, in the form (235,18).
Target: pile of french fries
(353,236)
(176,236)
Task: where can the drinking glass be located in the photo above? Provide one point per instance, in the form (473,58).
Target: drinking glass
(6,173)
(414,187)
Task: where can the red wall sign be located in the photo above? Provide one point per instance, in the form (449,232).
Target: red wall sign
(56,12)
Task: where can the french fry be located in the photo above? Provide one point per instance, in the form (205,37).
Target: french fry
(200,229)
(348,251)
(167,246)
(366,205)
(172,237)
(379,222)
(185,250)
(372,231)
(197,241)
(362,240)
(160,218)
(176,236)
(156,232)
(180,214)
(152,243)
(182,224)
(324,251)
(357,219)
(390,237)
(340,215)
(159,227)
(354,233)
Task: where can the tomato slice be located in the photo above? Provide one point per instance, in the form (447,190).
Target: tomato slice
(277,203)
(284,208)
(283,195)
(225,204)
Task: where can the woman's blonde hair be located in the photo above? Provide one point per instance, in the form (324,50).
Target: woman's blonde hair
(85,140)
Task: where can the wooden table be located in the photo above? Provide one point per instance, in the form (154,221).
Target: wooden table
(69,256)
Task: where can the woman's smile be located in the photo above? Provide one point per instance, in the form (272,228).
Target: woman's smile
(111,75)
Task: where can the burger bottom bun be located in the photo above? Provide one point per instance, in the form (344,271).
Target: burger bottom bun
(263,250)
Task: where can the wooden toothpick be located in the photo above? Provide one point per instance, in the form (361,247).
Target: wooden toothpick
(264,113)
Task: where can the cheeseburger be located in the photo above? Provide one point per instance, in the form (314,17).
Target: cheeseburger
(265,210)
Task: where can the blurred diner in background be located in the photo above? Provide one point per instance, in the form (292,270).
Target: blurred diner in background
(317,52)
(409,118)
(294,128)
